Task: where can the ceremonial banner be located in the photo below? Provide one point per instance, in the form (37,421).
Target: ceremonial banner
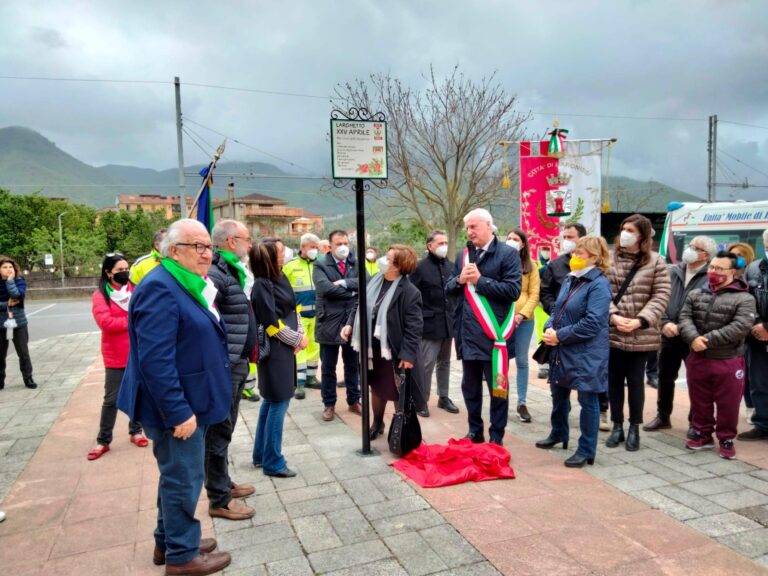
(582,163)
(535,168)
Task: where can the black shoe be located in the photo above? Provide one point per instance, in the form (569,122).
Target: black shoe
(633,438)
(424,413)
(523,414)
(578,461)
(284,473)
(616,436)
(653,383)
(376,431)
(29,383)
(497,442)
(447,405)
(550,442)
(661,422)
(300,394)
(754,434)
(250,395)
(476,438)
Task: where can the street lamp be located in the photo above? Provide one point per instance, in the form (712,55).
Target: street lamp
(61,249)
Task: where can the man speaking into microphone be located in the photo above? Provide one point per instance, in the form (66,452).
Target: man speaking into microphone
(486,281)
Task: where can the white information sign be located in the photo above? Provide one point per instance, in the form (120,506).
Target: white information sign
(359,149)
(49,259)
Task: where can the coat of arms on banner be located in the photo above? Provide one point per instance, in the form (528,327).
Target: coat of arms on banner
(559,198)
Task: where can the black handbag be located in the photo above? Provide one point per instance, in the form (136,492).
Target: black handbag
(405,430)
(541,355)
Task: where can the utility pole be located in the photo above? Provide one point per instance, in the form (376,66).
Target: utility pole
(180,146)
(231,198)
(712,149)
(61,249)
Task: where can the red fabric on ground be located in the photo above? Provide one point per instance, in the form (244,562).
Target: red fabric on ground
(433,465)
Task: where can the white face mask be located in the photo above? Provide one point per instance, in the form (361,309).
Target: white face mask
(383,264)
(627,239)
(545,255)
(568,246)
(288,254)
(441,251)
(370,256)
(690,255)
(513,244)
(312,253)
(341,252)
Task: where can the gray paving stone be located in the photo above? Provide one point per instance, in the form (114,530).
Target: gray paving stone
(700,458)
(311,492)
(392,485)
(351,526)
(479,569)
(724,467)
(354,466)
(663,472)
(25,446)
(742,498)
(691,470)
(362,491)
(621,471)
(260,553)
(394,507)
(750,481)
(255,535)
(641,482)
(762,561)
(650,441)
(410,522)
(316,533)
(414,554)
(666,505)
(753,543)
(758,514)
(250,571)
(711,486)
(318,506)
(389,567)
(451,546)
(639,456)
(289,483)
(269,509)
(348,556)
(316,473)
(296,566)
(702,505)
(762,473)
(722,524)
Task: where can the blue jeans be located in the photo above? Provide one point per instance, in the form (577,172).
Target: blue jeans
(523,335)
(589,419)
(181,481)
(268,446)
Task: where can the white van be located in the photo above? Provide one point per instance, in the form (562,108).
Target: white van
(726,222)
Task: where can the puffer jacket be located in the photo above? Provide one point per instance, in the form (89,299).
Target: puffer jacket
(757,278)
(646,298)
(529,293)
(724,318)
(17,289)
(680,291)
(235,309)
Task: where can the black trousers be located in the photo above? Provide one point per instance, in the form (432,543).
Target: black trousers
(757,368)
(673,353)
(472,390)
(626,367)
(329,358)
(21,344)
(218,484)
(112,379)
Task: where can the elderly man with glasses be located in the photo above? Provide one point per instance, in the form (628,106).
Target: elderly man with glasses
(177,383)
(689,275)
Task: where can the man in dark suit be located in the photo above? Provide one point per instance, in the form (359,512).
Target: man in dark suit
(335,278)
(487,278)
(177,383)
(430,277)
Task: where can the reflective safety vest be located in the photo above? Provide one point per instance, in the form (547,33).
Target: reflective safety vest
(372,267)
(143,266)
(299,274)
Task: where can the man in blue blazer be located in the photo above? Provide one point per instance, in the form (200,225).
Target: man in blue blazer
(176,383)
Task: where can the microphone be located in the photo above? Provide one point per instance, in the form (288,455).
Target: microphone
(471,251)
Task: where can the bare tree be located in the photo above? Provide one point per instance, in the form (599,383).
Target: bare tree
(443,143)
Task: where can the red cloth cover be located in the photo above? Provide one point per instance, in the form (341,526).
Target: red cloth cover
(432,465)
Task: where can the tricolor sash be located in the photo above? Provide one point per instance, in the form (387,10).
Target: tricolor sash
(499,334)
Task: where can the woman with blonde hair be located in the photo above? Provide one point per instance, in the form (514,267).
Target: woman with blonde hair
(577,331)
(747,254)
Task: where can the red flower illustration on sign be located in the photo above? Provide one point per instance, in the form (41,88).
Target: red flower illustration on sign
(363,168)
(376,167)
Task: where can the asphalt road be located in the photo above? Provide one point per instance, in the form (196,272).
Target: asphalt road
(58,317)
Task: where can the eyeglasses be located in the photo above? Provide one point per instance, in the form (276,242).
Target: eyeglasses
(242,238)
(718,269)
(199,248)
(696,248)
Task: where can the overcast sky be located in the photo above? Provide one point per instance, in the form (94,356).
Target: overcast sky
(600,60)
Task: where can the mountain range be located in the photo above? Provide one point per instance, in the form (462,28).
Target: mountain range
(29,162)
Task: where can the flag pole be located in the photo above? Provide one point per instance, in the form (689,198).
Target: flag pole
(211,167)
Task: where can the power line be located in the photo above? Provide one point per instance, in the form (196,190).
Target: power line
(742,162)
(257,91)
(743,124)
(194,140)
(616,117)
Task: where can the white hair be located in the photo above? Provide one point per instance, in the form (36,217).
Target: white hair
(481,213)
(706,243)
(176,233)
(224,230)
(307,238)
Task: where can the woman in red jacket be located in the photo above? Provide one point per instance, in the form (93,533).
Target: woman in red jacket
(110,310)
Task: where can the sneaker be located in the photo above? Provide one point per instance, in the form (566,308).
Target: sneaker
(250,395)
(700,443)
(523,414)
(754,434)
(543,373)
(727,450)
(300,394)
(604,426)
(692,434)
(313,382)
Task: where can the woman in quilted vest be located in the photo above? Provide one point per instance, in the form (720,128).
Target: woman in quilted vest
(641,289)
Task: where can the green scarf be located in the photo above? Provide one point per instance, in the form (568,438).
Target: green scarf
(156,255)
(190,281)
(232,259)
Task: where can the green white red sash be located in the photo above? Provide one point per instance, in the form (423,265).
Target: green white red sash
(499,334)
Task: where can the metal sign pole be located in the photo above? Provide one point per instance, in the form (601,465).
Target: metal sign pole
(363,312)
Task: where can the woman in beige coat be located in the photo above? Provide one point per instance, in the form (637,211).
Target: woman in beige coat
(641,288)
(524,322)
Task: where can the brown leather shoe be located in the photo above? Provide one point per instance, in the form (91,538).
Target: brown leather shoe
(329,413)
(207,545)
(242,490)
(235,510)
(357,408)
(200,565)
(661,422)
